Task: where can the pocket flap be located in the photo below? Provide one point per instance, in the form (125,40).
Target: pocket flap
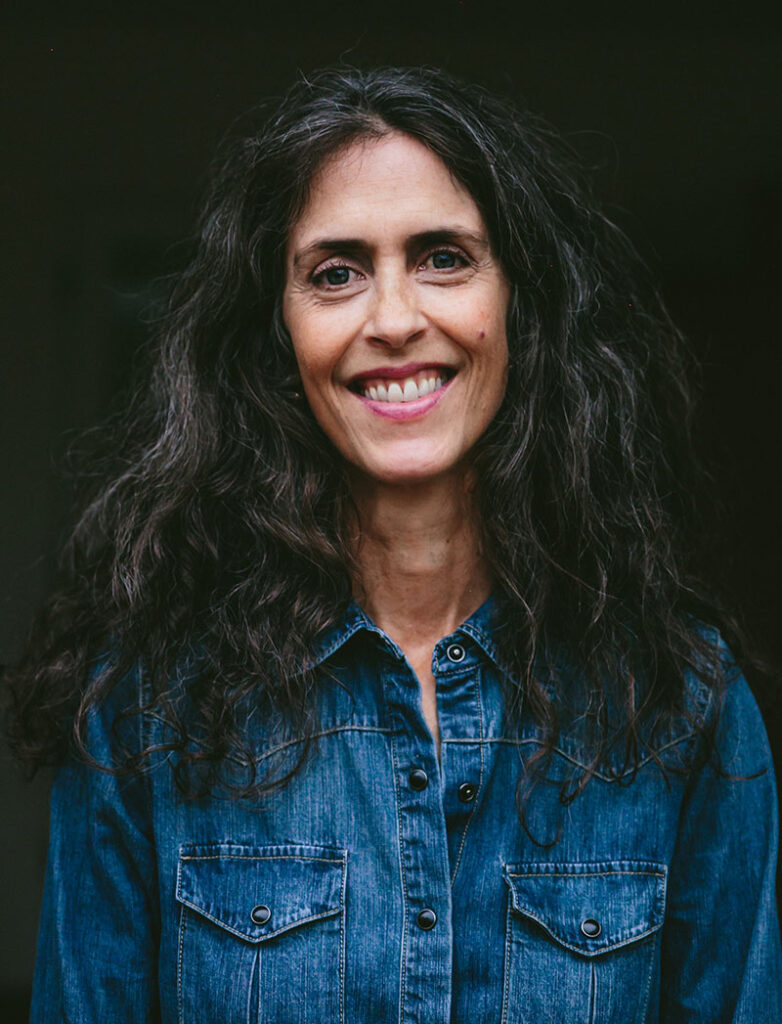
(590,908)
(258,892)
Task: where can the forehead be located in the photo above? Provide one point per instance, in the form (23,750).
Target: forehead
(392,183)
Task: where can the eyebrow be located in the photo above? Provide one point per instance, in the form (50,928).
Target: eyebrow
(434,236)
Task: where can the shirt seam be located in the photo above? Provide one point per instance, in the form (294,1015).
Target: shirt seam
(319,735)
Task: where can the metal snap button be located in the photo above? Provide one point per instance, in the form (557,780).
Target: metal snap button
(418,779)
(591,928)
(466,792)
(260,914)
(427,919)
(455,652)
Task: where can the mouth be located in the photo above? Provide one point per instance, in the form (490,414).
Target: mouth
(392,388)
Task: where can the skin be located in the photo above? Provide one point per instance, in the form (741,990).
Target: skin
(390,266)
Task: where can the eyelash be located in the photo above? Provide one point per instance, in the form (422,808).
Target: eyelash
(318,278)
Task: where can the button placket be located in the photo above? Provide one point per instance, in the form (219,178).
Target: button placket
(423,850)
(459,702)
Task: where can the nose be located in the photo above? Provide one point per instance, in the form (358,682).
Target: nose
(395,316)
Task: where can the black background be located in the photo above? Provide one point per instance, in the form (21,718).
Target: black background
(108,126)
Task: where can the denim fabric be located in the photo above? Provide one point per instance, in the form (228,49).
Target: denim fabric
(364,893)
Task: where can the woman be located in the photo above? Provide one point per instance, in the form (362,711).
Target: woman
(383,685)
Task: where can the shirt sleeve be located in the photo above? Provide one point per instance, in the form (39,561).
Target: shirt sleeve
(96,960)
(721,959)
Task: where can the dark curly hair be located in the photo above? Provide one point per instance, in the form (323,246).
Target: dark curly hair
(212,536)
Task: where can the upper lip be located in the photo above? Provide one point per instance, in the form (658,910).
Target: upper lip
(398,372)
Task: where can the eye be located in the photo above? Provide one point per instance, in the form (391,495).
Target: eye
(445,259)
(334,275)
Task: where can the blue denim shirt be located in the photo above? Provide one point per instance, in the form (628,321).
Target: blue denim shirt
(385,885)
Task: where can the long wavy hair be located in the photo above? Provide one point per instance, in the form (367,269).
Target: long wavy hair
(212,533)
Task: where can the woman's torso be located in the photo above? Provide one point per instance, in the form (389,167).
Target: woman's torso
(383,885)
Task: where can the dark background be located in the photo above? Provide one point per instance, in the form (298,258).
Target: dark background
(106,134)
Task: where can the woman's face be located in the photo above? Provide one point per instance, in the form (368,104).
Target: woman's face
(396,308)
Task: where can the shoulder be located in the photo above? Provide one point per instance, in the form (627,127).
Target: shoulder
(728,734)
(740,737)
(118,709)
(713,716)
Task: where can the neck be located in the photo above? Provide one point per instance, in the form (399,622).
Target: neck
(418,550)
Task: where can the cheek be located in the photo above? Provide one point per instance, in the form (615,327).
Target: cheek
(482,315)
(491,336)
(320,340)
(309,365)
(306,332)
(311,353)
(494,345)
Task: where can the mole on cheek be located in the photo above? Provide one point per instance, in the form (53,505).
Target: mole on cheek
(481,335)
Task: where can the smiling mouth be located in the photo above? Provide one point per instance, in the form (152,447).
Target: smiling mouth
(407,389)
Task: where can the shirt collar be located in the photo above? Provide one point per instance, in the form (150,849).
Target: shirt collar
(483,626)
(334,636)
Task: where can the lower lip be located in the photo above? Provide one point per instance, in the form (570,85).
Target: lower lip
(406,410)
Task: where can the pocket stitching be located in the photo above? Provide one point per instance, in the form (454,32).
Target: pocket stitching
(187,907)
(342,939)
(644,870)
(180,962)
(582,874)
(268,935)
(300,855)
(642,940)
(589,954)
(506,970)
(276,856)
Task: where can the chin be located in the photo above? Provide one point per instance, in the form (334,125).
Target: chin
(407,462)
(406,473)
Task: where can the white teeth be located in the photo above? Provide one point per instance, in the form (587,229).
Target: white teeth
(404,390)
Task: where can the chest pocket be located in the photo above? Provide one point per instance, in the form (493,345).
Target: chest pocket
(261,936)
(582,941)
